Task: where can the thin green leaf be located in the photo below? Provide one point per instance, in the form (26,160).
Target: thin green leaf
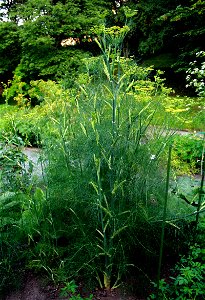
(84,129)
(117,186)
(118,231)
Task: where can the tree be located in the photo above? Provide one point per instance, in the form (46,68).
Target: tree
(165,26)
(10,49)
(42,26)
(166,34)
(189,35)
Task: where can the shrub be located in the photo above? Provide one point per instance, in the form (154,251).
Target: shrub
(196,74)
(187,281)
(16,169)
(187,154)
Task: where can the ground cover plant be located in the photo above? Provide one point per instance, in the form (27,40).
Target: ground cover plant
(187,280)
(102,197)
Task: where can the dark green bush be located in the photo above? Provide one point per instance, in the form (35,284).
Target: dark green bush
(187,280)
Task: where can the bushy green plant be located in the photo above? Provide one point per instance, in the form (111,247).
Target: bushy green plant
(27,238)
(6,114)
(21,124)
(187,154)
(16,89)
(22,206)
(30,123)
(23,230)
(187,281)
(105,177)
(16,169)
(200,230)
(69,290)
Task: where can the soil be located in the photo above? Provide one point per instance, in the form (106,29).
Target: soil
(33,289)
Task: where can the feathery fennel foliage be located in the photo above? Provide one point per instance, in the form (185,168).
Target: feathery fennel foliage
(105,176)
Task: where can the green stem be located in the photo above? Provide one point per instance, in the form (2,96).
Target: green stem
(201,192)
(164,216)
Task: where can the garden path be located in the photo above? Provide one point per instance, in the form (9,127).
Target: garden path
(34,154)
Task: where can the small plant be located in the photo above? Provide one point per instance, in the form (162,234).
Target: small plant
(70,290)
(16,169)
(188,279)
(17,89)
(187,153)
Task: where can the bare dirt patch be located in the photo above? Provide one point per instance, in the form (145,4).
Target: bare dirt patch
(34,290)
(31,291)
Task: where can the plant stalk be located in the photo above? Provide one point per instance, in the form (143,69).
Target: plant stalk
(164,217)
(201,192)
